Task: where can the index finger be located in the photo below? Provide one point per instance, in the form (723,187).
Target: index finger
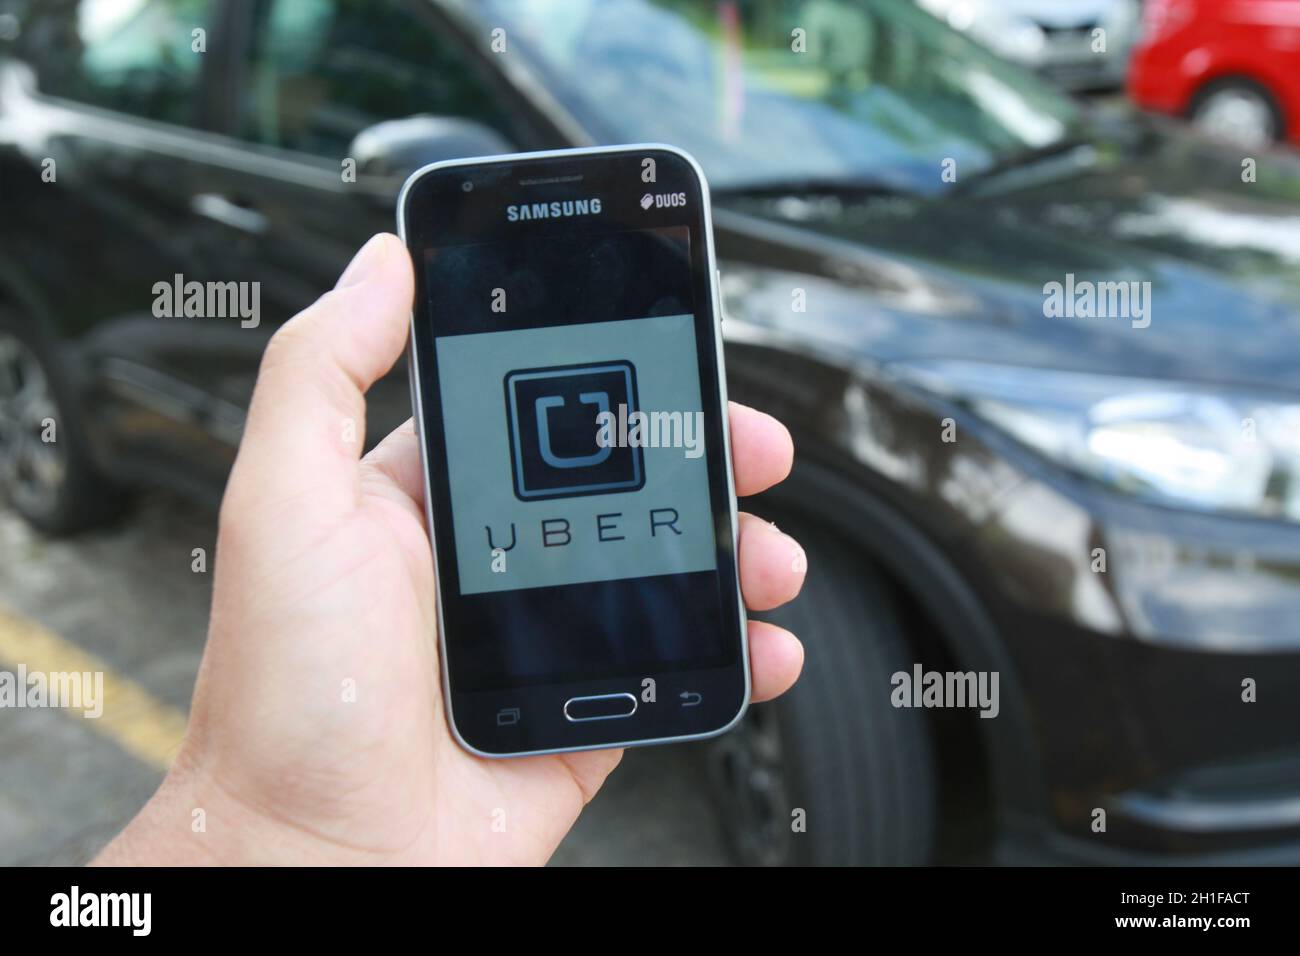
(762,451)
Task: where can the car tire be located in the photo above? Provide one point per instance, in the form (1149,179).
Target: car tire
(1239,111)
(834,747)
(52,484)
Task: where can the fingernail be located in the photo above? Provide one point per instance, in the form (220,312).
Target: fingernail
(364,263)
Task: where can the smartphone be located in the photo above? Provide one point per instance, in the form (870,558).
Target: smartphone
(569,394)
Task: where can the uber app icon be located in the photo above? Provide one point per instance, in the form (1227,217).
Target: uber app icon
(552,417)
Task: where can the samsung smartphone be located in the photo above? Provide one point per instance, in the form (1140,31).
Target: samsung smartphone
(566,369)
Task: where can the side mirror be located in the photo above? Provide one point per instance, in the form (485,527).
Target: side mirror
(394,149)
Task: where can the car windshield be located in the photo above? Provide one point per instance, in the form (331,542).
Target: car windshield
(871,93)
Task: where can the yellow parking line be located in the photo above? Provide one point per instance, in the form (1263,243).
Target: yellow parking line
(132,717)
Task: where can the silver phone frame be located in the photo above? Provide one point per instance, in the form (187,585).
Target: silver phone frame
(413,375)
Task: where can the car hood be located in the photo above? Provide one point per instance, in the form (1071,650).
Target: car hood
(966,274)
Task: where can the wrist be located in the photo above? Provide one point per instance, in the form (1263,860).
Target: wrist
(193,821)
(170,830)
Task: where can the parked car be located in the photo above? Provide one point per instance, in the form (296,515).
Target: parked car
(983,485)
(1081,45)
(1231,66)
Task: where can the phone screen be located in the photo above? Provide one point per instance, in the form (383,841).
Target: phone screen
(569,384)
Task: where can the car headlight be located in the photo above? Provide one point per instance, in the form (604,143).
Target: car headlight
(1190,445)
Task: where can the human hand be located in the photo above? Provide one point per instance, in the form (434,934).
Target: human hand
(324,585)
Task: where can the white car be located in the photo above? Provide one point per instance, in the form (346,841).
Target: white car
(1083,45)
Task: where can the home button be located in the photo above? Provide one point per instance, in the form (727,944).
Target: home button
(599,707)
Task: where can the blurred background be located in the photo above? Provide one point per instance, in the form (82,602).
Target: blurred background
(1099,504)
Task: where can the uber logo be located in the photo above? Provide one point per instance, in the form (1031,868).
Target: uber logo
(551,413)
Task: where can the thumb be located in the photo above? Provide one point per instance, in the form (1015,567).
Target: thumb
(306,423)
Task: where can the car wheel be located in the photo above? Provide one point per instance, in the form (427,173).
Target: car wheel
(45,471)
(834,747)
(1239,112)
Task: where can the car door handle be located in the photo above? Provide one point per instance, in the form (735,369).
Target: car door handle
(220,209)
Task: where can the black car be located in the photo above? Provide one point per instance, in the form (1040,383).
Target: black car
(1096,504)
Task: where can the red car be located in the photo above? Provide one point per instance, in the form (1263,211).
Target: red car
(1231,66)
